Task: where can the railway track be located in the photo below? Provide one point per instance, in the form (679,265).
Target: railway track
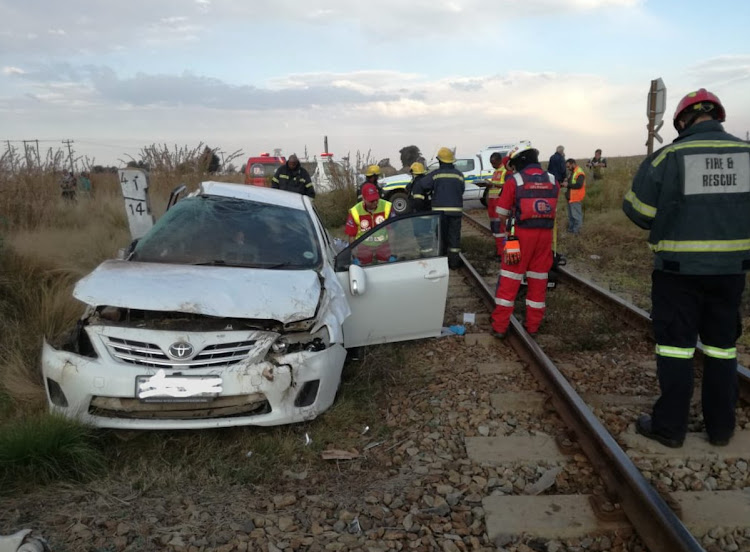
(654,515)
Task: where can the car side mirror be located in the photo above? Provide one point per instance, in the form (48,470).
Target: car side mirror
(357,280)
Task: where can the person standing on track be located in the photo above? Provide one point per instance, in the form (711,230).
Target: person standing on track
(500,164)
(446,187)
(694,197)
(530,198)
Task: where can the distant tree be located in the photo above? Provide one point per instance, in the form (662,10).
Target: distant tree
(140,164)
(409,155)
(386,168)
(209,161)
(231,169)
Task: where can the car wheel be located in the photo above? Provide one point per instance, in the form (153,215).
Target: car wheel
(400,202)
(485,195)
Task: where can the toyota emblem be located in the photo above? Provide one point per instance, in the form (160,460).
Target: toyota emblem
(181,350)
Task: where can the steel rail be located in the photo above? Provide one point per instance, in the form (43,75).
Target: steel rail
(629,313)
(653,520)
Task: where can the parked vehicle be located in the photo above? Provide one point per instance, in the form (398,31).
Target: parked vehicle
(235,309)
(259,170)
(477,171)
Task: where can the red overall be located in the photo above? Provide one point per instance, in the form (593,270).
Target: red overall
(531,197)
(493,197)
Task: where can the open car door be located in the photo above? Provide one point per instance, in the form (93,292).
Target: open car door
(396,281)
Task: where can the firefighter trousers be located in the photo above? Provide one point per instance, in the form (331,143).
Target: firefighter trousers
(536,261)
(451,234)
(685,307)
(498,232)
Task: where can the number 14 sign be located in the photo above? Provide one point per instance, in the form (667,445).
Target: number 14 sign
(134,184)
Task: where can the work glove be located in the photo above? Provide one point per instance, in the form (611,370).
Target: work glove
(512,251)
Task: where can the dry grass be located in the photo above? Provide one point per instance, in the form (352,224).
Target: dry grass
(47,245)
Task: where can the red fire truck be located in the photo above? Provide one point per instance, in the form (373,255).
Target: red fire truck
(259,170)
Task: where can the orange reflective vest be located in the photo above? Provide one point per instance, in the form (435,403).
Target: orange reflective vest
(366,221)
(580,193)
(497,180)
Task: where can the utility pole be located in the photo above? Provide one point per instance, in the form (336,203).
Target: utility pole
(325,144)
(70,154)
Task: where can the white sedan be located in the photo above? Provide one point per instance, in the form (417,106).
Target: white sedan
(235,309)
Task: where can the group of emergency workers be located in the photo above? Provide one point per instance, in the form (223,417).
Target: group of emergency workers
(693,196)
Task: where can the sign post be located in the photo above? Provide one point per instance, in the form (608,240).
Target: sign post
(134,184)
(656,105)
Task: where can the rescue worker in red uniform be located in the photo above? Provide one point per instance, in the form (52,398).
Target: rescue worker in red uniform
(500,164)
(363,217)
(530,198)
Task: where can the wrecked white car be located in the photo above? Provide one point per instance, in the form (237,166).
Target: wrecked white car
(235,309)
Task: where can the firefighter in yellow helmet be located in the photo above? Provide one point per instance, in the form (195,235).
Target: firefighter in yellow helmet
(372,173)
(445,186)
(418,202)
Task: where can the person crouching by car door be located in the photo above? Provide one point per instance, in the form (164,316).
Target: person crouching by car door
(365,216)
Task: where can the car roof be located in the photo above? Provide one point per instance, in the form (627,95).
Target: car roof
(253,193)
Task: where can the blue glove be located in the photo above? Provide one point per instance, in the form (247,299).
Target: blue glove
(458,329)
(356,261)
(392,259)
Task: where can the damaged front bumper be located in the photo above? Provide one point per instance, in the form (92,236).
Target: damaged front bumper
(256,386)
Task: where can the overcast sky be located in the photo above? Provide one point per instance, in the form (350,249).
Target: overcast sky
(371,75)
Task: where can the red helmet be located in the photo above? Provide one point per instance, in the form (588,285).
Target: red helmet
(701,101)
(505,161)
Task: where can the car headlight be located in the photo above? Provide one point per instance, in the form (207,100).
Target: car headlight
(302,341)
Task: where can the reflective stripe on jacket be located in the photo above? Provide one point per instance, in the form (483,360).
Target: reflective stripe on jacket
(366,221)
(297,180)
(446,186)
(694,196)
(577,194)
(497,180)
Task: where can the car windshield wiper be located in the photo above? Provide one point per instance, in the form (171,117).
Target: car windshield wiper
(221,262)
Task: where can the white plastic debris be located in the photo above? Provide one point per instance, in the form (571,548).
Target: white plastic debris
(470,318)
(23,541)
(365,430)
(594,257)
(354,527)
(547,480)
(308,440)
(249,453)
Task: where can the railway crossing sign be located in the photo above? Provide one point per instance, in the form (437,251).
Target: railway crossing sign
(656,105)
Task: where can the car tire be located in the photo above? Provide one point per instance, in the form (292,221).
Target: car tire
(400,202)
(485,195)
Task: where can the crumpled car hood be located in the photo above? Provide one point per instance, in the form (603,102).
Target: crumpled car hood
(283,295)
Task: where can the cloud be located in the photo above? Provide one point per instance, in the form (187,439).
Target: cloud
(82,25)
(102,86)
(721,70)
(13,71)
